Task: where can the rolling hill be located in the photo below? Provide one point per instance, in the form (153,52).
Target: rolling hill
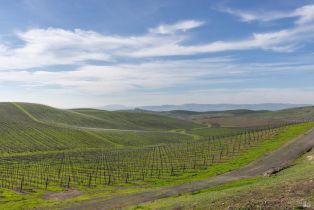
(26,127)
(33,127)
(292,114)
(93,118)
(21,133)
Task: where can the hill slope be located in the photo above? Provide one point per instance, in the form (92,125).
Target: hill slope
(33,127)
(20,133)
(292,114)
(104,119)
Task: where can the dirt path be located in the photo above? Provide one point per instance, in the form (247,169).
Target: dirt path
(274,161)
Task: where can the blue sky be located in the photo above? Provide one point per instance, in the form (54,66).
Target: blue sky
(78,53)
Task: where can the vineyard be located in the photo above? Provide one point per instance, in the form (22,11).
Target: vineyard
(91,168)
(22,132)
(103,119)
(45,148)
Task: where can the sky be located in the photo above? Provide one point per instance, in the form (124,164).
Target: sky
(91,53)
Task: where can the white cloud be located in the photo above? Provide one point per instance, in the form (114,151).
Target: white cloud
(263,16)
(144,83)
(120,78)
(180,26)
(283,41)
(150,76)
(54,46)
(304,14)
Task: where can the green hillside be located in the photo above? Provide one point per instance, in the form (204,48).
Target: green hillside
(244,118)
(138,120)
(238,112)
(32,127)
(295,113)
(143,138)
(104,119)
(223,131)
(20,133)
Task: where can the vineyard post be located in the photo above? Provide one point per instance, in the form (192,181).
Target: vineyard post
(90,180)
(46,184)
(109,179)
(127,178)
(22,182)
(69,180)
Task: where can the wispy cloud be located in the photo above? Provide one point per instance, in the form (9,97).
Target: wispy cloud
(179,26)
(54,46)
(151,76)
(119,78)
(281,41)
(304,14)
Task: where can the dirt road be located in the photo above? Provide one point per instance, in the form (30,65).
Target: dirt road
(272,162)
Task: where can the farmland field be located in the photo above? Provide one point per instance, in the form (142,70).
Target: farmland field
(47,150)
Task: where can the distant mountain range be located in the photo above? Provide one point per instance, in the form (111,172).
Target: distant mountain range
(114,107)
(207,107)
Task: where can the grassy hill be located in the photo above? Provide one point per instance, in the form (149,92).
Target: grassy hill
(33,127)
(138,120)
(223,131)
(104,119)
(21,133)
(292,114)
